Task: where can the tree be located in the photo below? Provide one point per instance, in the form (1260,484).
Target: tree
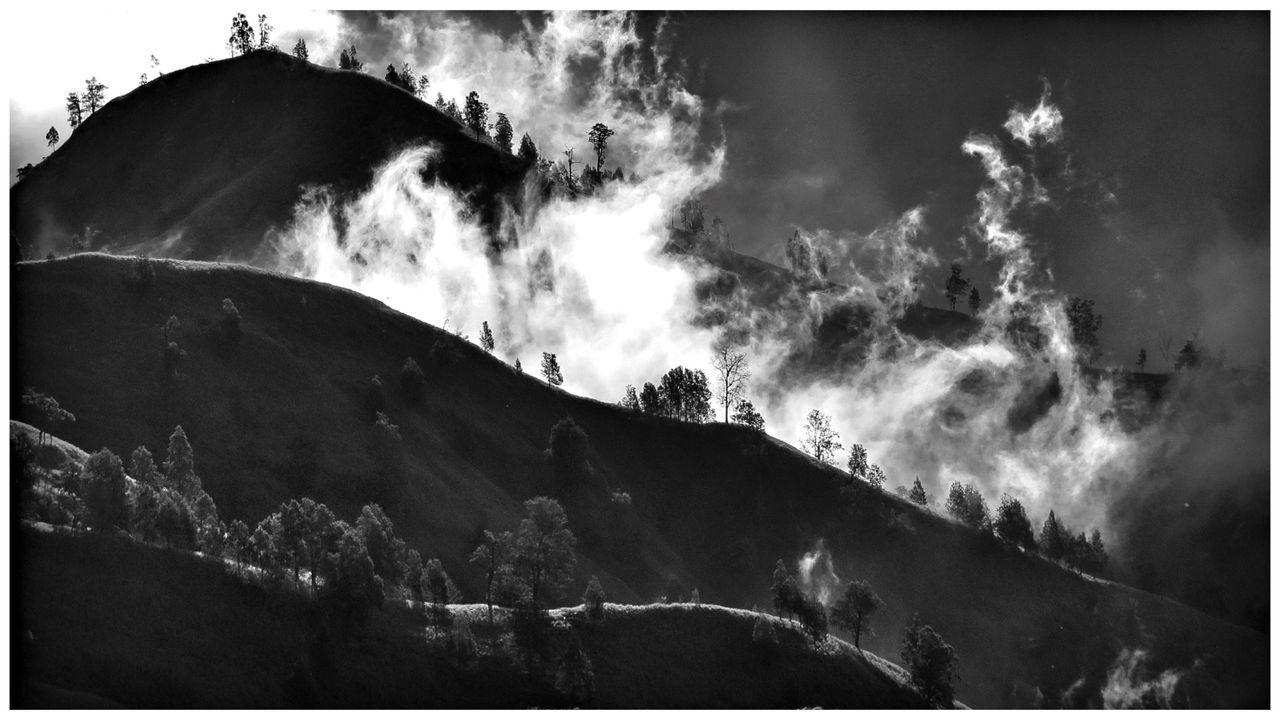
(917,495)
(239,541)
(599,138)
(820,440)
(440,588)
(424,87)
(784,589)
(650,400)
(975,300)
(544,545)
(931,662)
(692,215)
(264,33)
(502,132)
(1142,359)
(955,285)
(349,59)
(528,151)
(476,113)
(486,337)
(731,367)
(567,454)
(300,50)
(1097,557)
(852,612)
(94,94)
(47,410)
(24,171)
(1012,525)
(551,369)
(630,400)
(142,467)
(744,413)
(518,367)
(813,617)
(1084,328)
(351,585)
(105,491)
(241,40)
(1053,538)
(52,136)
(179,466)
(75,113)
(876,477)
(858,467)
(593,601)
(175,525)
(1188,356)
(685,395)
(965,503)
(412,382)
(494,556)
(762,632)
(385,550)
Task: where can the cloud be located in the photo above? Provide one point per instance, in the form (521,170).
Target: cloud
(1041,124)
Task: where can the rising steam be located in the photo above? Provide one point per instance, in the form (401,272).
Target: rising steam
(588,279)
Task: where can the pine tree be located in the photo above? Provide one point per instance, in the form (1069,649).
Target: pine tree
(52,136)
(502,132)
(917,495)
(593,601)
(179,465)
(528,151)
(476,113)
(486,337)
(551,369)
(75,112)
(1053,538)
(300,50)
(975,300)
(955,286)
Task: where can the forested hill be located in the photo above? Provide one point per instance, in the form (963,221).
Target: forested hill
(200,163)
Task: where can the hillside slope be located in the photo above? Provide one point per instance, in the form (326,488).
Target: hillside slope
(201,162)
(166,628)
(283,411)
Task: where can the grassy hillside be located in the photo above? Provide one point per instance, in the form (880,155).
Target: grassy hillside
(101,621)
(200,162)
(283,411)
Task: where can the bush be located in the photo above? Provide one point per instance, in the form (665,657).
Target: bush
(412,382)
(105,493)
(230,320)
(593,600)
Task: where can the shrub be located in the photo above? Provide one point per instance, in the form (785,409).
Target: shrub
(230,320)
(105,491)
(412,382)
(593,600)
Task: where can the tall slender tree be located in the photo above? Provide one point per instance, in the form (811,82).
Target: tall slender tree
(476,113)
(599,139)
(731,369)
(502,132)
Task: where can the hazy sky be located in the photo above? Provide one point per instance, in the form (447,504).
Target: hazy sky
(843,121)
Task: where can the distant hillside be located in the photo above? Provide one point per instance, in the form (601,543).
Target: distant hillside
(101,621)
(285,411)
(200,162)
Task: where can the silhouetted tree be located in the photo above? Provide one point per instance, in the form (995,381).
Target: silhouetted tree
(820,440)
(1142,359)
(47,410)
(518,367)
(544,544)
(94,94)
(1084,328)
(1012,525)
(1097,557)
(630,400)
(732,375)
(502,132)
(551,369)
(105,491)
(75,112)
(52,136)
(1188,356)
(784,589)
(300,50)
(412,382)
(24,171)
(349,59)
(599,139)
(685,395)
(876,477)
(593,601)
(264,33)
(650,399)
(528,151)
(965,503)
(955,286)
(476,113)
(917,495)
(241,40)
(975,300)
(1053,538)
(486,337)
(852,612)
(744,413)
(931,662)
